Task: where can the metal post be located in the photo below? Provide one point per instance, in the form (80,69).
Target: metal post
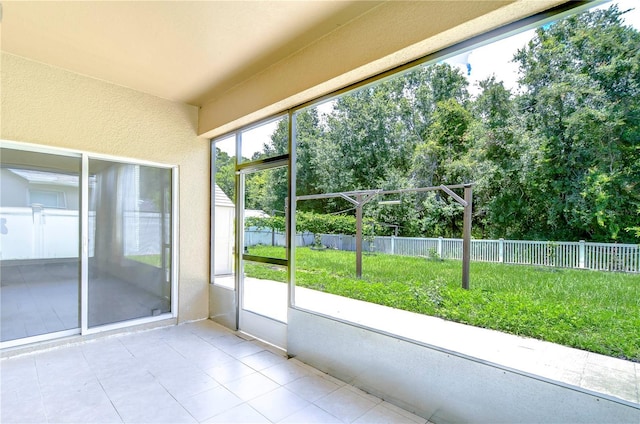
(466,236)
(290,233)
(359,237)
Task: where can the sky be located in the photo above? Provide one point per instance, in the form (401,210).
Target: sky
(477,64)
(495,58)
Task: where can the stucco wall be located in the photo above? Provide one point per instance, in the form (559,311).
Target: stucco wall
(45,105)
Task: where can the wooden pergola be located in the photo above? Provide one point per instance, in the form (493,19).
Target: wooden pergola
(359,198)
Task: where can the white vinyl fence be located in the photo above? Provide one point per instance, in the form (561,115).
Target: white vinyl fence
(28,233)
(263,236)
(563,254)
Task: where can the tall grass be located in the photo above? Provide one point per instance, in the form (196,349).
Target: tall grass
(590,310)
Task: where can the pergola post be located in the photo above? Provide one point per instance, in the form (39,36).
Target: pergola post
(359,236)
(466,236)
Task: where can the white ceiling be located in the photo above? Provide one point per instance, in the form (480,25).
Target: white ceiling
(187,51)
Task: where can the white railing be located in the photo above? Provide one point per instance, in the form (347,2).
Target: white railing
(562,254)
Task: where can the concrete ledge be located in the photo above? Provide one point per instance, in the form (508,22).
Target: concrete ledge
(440,385)
(590,371)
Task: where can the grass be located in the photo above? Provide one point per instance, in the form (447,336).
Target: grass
(153,260)
(590,310)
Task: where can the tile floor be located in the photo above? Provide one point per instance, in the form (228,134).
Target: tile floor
(195,372)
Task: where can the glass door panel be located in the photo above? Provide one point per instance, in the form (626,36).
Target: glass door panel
(129,242)
(264,243)
(39,243)
(265,290)
(265,193)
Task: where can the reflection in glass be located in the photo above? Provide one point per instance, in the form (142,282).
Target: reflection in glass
(39,243)
(129,268)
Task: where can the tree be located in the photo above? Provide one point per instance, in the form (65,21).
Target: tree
(581,105)
(502,155)
(365,138)
(225,173)
(442,157)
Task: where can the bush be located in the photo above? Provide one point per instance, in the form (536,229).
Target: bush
(316,223)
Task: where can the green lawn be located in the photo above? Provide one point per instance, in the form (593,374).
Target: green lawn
(595,311)
(153,260)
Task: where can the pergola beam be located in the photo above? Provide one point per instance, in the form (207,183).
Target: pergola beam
(355,193)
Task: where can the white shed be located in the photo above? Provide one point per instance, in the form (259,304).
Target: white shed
(224,218)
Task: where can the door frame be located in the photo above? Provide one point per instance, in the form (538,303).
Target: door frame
(255,324)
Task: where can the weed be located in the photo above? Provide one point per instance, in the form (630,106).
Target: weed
(433,254)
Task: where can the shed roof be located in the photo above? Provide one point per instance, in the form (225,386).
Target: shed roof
(222,199)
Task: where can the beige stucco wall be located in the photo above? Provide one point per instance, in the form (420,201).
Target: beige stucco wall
(45,105)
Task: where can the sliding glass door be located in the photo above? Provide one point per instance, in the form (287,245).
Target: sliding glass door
(86,243)
(130,235)
(39,244)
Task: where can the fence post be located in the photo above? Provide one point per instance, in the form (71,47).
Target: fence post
(501,250)
(581,252)
(393,245)
(37,214)
(440,247)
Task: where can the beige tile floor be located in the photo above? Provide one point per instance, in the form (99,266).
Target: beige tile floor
(195,372)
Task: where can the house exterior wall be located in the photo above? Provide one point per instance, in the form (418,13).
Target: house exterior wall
(50,106)
(224,240)
(13,190)
(70,194)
